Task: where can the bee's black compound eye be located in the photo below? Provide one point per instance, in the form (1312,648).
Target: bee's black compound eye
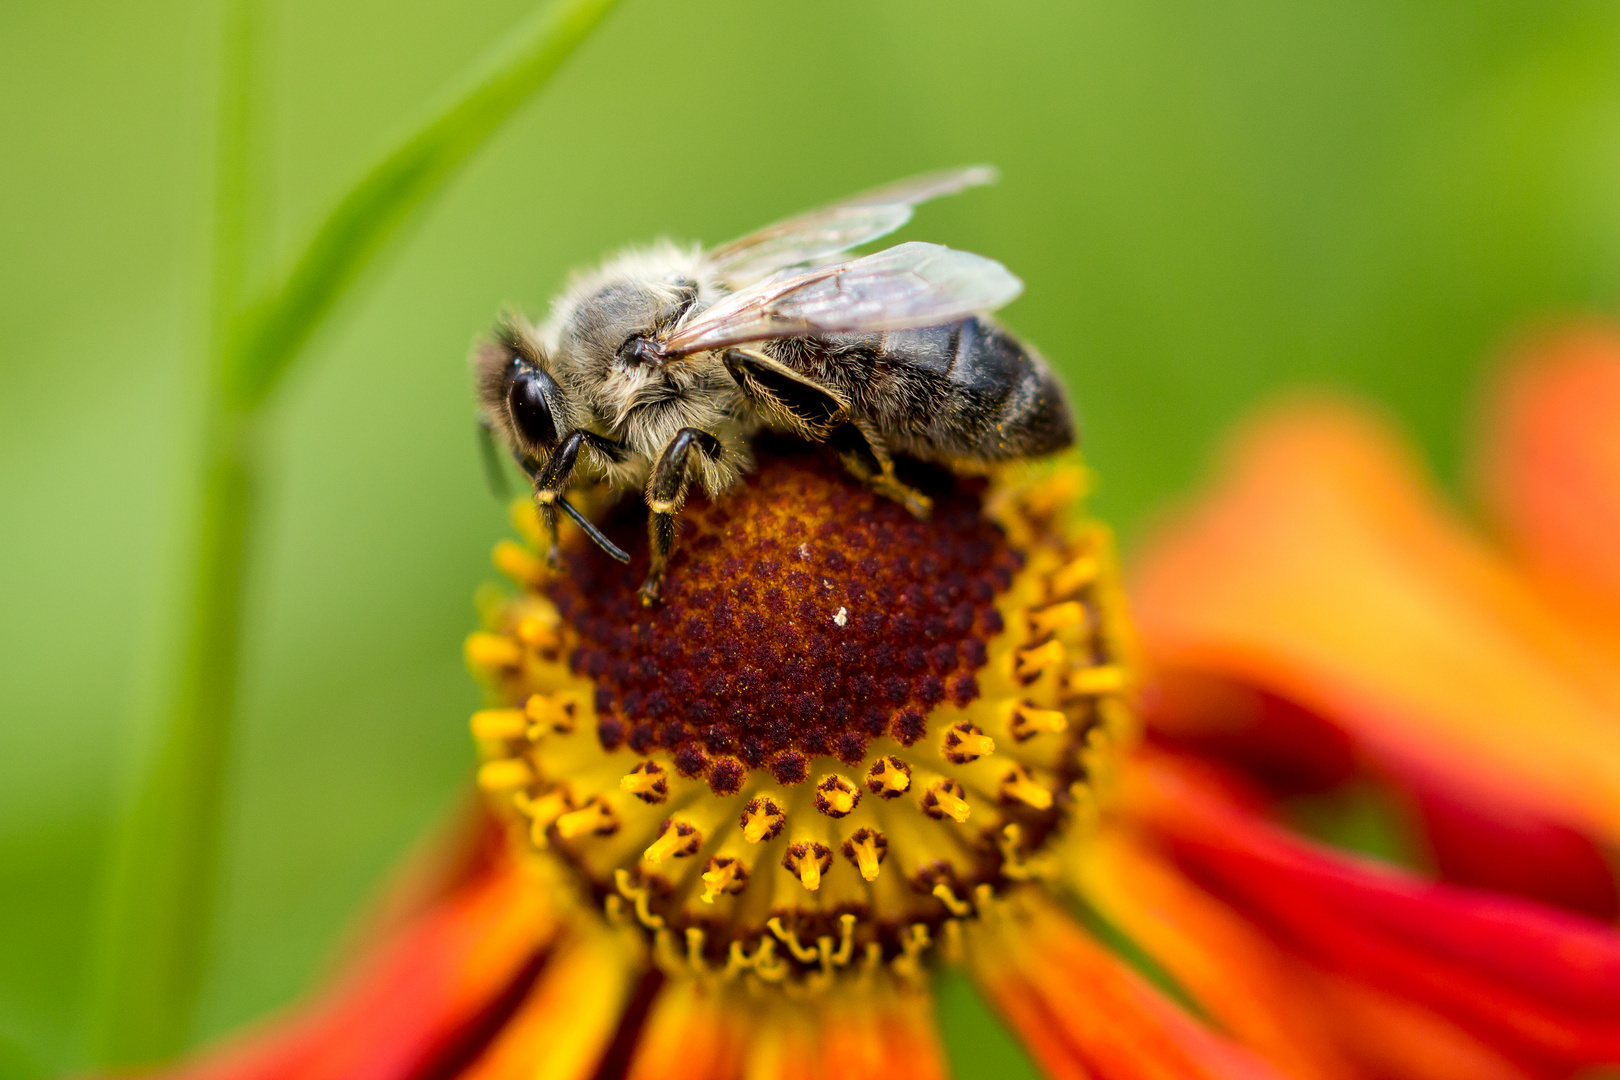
(528,400)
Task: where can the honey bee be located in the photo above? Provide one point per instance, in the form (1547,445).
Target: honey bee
(658,366)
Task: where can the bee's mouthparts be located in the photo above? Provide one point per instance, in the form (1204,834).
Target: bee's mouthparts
(642,350)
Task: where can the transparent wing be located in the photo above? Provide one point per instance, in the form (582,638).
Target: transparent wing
(820,233)
(900,288)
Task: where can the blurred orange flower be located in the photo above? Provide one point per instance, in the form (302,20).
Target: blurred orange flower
(1134,907)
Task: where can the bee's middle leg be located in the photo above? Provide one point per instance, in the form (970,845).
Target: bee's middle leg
(666,492)
(862,452)
(553,480)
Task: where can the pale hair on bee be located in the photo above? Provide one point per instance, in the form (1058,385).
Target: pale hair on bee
(657,367)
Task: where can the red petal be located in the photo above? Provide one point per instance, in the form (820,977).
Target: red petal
(1480,842)
(1543,984)
(1508,849)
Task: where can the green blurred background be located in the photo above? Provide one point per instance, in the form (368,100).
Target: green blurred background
(1208,201)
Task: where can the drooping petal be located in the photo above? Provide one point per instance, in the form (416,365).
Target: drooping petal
(1323,572)
(429,999)
(1084,1014)
(1288,750)
(1551,464)
(1541,984)
(1307,1022)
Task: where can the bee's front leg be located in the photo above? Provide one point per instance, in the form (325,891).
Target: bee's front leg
(666,492)
(554,478)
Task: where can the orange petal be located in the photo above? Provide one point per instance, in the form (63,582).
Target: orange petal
(1324,572)
(567,1019)
(690,1033)
(877,1030)
(428,998)
(1084,1014)
(1551,463)
(1226,964)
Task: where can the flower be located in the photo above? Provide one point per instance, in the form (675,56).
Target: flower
(732,836)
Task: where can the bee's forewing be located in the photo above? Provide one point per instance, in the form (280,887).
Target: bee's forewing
(854,221)
(900,288)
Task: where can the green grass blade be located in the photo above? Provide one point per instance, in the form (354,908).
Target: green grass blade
(159,897)
(397,189)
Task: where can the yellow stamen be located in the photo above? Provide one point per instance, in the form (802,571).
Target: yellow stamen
(888,777)
(790,938)
(810,872)
(498,723)
(536,633)
(948,898)
(836,796)
(866,856)
(1027,722)
(1019,786)
(676,841)
(1075,575)
(492,652)
(1055,492)
(542,811)
(1062,616)
(591,818)
(505,774)
(1104,679)
(551,712)
(644,780)
(514,560)
(963,743)
(1031,662)
(949,802)
(719,878)
(758,821)
(526,520)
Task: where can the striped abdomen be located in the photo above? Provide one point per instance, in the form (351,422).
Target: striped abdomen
(966,389)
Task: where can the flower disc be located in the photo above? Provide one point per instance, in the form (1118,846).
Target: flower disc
(843,731)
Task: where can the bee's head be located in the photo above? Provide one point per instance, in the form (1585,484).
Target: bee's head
(518,394)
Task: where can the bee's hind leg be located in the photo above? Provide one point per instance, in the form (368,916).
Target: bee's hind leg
(555,476)
(821,414)
(666,492)
(863,454)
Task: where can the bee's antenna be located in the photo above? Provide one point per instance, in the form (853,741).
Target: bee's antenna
(614,551)
(493,473)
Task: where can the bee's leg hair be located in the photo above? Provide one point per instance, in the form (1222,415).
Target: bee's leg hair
(810,409)
(666,492)
(557,474)
(861,451)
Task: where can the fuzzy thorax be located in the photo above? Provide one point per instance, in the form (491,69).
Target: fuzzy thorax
(843,736)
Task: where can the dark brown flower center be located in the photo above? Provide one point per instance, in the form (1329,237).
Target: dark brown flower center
(819,619)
